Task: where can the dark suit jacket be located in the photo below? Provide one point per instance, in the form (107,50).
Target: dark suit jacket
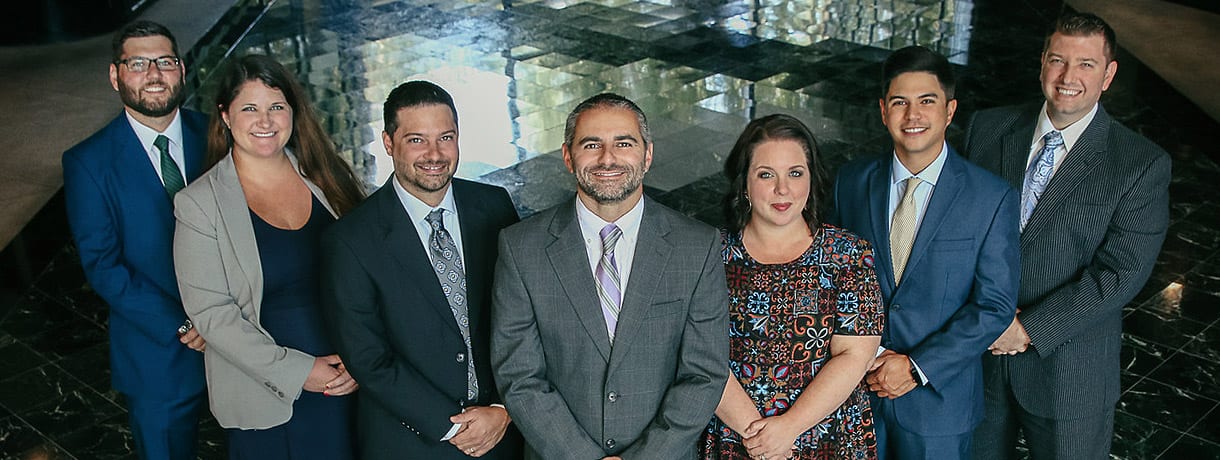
(1088,248)
(393,327)
(123,224)
(570,392)
(958,291)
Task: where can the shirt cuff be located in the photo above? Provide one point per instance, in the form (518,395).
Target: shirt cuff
(452,432)
(923,379)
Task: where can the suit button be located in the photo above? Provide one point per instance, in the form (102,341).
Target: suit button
(281,394)
(610,443)
(461,357)
(896,307)
(267,384)
(613,396)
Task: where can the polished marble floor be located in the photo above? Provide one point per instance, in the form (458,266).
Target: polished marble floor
(700,69)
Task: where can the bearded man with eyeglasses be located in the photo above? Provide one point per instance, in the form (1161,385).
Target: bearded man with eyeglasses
(118,186)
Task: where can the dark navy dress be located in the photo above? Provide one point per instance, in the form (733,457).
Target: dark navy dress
(321,426)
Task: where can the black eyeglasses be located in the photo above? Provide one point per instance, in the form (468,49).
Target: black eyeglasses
(140,64)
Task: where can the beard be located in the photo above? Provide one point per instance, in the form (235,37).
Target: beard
(424,182)
(132,97)
(606,193)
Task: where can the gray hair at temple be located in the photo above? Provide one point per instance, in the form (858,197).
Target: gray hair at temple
(601,101)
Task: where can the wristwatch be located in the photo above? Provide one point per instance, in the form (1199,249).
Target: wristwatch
(915,374)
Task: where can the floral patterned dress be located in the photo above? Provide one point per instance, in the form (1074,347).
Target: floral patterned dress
(781,319)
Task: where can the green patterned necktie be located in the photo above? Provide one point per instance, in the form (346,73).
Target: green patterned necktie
(170,174)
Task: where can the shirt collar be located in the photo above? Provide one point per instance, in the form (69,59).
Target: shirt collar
(899,172)
(1070,134)
(148,135)
(592,224)
(416,208)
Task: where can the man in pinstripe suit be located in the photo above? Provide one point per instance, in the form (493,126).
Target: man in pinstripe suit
(1094,214)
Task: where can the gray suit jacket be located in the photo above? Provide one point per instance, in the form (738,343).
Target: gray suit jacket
(252,381)
(571,393)
(1086,251)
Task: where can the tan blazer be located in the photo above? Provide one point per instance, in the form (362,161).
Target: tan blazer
(252,381)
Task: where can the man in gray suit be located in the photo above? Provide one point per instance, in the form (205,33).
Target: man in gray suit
(1094,210)
(610,312)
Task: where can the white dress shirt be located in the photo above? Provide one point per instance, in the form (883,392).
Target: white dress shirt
(418,211)
(1070,134)
(624,250)
(923,195)
(148,136)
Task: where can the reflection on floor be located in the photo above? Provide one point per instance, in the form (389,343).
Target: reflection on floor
(700,69)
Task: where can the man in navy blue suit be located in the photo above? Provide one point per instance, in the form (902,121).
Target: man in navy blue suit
(118,186)
(944,234)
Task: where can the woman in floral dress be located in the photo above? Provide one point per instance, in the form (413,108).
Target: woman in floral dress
(805,309)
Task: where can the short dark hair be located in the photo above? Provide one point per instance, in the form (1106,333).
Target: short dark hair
(414,94)
(605,100)
(137,29)
(918,59)
(737,168)
(1082,25)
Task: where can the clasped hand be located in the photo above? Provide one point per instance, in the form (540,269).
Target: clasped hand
(482,428)
(330,377)
(1014,340)
(771,438)
(890,375)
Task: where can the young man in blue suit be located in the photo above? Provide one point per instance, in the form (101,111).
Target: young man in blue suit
(1095,208)
(944,233)
(119,184)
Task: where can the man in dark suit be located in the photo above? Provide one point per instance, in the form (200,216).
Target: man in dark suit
(610,320)
(118,187)
(1094,213)
(406,284)
(944,234)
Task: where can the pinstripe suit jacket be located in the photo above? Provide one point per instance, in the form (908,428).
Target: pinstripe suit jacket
(1086,251)
(571,393)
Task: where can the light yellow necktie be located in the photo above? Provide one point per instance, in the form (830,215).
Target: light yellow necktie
(902,229)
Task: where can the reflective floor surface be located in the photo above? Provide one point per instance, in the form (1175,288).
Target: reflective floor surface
(700,69)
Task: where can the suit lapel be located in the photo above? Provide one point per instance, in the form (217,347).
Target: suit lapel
(1014,157)
(235,214)
(1077,165)
(403,244)
(944,194)
(569,258)
(139,176)
(473,219)
(194,140)
(652,255)
(878,210)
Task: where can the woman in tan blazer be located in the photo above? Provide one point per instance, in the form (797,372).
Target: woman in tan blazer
(245,249)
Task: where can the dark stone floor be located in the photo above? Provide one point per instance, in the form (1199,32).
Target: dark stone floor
(700,69)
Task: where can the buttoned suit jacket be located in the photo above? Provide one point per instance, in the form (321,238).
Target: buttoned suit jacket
(958,290)
(1088,248)
(572,394)
(393,326)
(252,380)
(122,221)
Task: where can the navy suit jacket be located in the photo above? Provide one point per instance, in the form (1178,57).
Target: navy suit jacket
(123,224)
(959,288)
(392,325)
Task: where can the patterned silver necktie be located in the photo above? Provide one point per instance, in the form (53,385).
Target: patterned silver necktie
(449,270)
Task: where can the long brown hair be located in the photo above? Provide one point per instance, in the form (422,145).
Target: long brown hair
(316,154)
